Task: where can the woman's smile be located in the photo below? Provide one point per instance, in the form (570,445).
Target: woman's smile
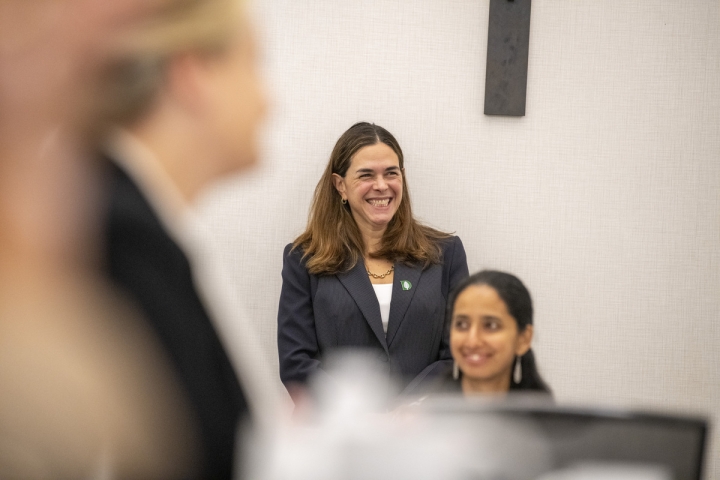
(476,359)
(379,202)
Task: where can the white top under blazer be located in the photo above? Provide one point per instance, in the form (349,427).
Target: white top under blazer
(383,291)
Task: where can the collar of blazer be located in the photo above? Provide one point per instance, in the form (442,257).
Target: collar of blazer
(357,283)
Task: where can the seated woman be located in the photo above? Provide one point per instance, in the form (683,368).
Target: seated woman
(491,330)
(366,274)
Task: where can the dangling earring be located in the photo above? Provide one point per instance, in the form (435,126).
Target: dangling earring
(456,370)
(343,201)
(517,373)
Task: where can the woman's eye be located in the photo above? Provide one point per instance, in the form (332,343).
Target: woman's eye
(461,324)
(492,325)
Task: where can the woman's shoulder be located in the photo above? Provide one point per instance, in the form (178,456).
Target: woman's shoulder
(452,251)
(294,255)
(295,248)
(450,242)
(289,248)
(438,239)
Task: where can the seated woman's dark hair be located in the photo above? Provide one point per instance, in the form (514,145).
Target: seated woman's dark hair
(519,305)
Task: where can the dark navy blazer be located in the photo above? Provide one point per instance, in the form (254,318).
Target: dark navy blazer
(150,268)
(322,313)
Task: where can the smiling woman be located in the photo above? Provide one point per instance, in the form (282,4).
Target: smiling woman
(491,331)
(365,274)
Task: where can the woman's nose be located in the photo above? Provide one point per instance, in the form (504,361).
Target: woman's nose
(474,337)
(380,183)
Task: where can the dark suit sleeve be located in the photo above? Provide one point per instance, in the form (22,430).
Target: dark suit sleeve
(297,341)
(455,269)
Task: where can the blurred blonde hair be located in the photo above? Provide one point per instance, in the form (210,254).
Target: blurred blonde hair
(136,73)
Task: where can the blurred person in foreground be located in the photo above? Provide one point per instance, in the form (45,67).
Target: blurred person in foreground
(84,389)
(191,103)
(53,59)
(491,329)
(365,274)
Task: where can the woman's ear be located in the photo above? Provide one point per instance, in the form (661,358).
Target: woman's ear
(185,81)
(339,183)
(524,341)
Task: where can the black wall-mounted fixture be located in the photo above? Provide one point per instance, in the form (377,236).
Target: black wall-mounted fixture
(507,57)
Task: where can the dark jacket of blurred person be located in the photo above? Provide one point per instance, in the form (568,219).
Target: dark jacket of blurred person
(191,102)
(151,268)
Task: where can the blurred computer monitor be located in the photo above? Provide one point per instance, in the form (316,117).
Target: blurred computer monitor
(575,436)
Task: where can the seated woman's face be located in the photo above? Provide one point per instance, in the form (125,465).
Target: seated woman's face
(484,337)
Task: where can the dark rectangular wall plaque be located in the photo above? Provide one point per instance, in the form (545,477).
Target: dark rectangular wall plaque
(507,57)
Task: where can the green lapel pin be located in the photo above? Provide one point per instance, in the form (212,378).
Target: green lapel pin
(405,285)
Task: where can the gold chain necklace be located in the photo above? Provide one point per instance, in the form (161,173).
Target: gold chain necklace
(382,275)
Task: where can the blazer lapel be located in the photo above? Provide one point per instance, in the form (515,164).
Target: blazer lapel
(358,285)
(404,287)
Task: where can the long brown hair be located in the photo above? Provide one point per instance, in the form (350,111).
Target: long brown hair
(332,242)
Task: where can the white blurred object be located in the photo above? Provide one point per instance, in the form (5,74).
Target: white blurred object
(609,471)
(350,434)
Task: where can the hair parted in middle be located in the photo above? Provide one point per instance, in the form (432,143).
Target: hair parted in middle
(332,242)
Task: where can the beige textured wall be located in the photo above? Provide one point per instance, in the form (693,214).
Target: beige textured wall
(604,198)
